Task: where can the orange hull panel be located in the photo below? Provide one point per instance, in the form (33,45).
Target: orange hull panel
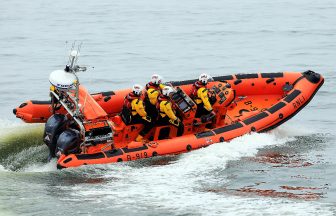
(260,104)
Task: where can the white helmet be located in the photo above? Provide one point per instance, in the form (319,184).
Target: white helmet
(204,78)
(156,79)
(137,89)
(167,90)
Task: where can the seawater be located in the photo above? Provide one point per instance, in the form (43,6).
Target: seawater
(290,170)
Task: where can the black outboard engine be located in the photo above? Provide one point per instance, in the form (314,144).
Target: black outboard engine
(68,142)
(55,125)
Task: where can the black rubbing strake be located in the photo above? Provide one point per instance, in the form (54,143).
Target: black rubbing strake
(184,82)
(228,128)
(204,134)
(40,102)
(188,82)
(67,160)
(107,98)
(270,80)
(237,81)
(127,150)
(23,105)
(108,93)
(271,75)
(255,118)
(90,156)
(246,76)
(223,78)
(298,80)
(292,95)
(113,153)
(276,107)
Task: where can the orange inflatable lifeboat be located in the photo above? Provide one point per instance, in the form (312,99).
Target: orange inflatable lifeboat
(83,128)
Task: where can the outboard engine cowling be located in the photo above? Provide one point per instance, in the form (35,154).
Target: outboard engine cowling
(55,125)
(68,142)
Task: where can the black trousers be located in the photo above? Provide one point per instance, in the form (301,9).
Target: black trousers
(165,121)
(151,110)
(147,125)
(201,111)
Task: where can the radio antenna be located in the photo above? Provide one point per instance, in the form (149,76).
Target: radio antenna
(66,49)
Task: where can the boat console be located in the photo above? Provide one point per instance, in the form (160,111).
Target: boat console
(184,104)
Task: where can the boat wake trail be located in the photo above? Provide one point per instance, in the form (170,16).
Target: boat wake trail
(190,179)
(198,180)
(21,145)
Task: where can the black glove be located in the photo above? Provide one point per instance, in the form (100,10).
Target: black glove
(175,122)
(204,119)
(147,118)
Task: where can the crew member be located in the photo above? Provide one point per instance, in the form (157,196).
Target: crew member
(134,112)
(154,88)
(201,98)
(167,114)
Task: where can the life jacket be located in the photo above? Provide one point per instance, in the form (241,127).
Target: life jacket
(196,86)
(153,92)
(162,98)
(127,111)
(128,100)
(200,95)
(151,85)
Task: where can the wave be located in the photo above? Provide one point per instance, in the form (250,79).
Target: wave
(32,156)
(19,144)
(182,183)
(6,124)
(191,178)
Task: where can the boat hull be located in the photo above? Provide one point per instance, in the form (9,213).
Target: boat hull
(261,104)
